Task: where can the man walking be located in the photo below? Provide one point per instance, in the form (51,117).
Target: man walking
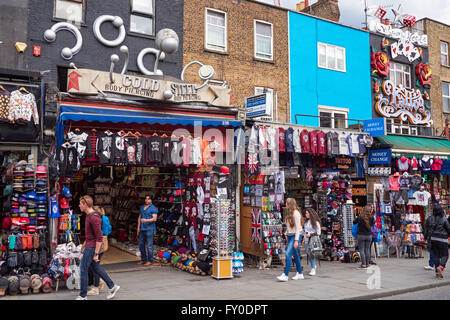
(146,231)
(94,240)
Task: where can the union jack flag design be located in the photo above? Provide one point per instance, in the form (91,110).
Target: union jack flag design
(253,167)
(256,225)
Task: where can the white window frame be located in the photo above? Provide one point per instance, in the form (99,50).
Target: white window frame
(333,111)
(446,97)
(225,27)
(397,127)
(444,53)
(394,68)
(143,15)
(260,90)
(327,48)
(271,40)
(83,7)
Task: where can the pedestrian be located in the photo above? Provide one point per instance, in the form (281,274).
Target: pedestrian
(94,241)
(146,231)
(311,228)
(437,231)
(294,223)
(373,211)
(365,222)
(97,283)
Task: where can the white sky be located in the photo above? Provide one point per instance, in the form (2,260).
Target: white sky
(352,11)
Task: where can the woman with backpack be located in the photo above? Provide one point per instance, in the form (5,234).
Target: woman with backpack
(98,284)
(311,228)
(294,224)
(365,222)
(437,231)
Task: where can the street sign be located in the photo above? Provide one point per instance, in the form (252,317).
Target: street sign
(256,106)
(375,127)
(380,156)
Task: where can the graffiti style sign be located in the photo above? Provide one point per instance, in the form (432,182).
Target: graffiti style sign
(406,104)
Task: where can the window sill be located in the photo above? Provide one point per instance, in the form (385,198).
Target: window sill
(81,24)
(444,65)
(140,35)
(225,53)
(263,60)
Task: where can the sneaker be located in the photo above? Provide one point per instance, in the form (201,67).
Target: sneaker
(298,276)
(428,268)
(283,278)
(361,268)
(112,292)
(371,262)
(93,292)
(81,298)
(313,272)
(101,285)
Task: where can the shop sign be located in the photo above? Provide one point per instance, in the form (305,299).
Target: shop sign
(91,82)
(405,104)
(375,127)
(404,36)
(256,106)
(380,156)
(343,163)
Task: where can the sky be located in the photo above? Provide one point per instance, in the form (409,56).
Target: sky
(352,11)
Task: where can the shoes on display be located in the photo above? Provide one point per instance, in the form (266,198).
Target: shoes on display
(283,278)
(298,276)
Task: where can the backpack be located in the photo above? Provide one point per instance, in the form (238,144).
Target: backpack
(375,232)
(19,243)
(106,226)
(34,257)
(355,231)
(27,258)
(315,246)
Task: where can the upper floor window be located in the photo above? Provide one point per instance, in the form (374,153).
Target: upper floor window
(333,117)
(445,96)
(142,18)
(70,10)
(331,57)
(263,40)
(444,53)
(216,30)
(400,74)
(271,101)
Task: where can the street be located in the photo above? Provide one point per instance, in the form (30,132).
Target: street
(441,293)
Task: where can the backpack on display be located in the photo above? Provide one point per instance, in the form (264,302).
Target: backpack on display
(12,259)
(43,257)
(34,257)
(35,241)
(19,243)
(315,246)
(19,259)
(27,258)
(12,242)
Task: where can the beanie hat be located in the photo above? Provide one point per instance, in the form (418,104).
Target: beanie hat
(13,285)
(24,284)
(46,285)
(36,283)
(3,285)
(166,255)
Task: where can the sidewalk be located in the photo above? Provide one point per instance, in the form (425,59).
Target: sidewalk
(334,281)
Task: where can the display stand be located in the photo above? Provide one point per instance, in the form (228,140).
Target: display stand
(222,263)
(348,216)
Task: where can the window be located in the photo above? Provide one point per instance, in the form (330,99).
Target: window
(271,101)
(446,96)
(401,127)
(70,10)
(216,30)
(444,53)
(331,57)
(400,74)
(333,117)
(263,40)
(142,17)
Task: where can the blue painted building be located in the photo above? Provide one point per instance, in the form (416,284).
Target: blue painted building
(329,72)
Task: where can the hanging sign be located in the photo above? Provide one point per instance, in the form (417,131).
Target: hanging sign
(405,104)
(375,127)
(380,156)
(257,106)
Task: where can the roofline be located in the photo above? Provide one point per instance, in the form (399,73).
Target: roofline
(426,18)
(268,5)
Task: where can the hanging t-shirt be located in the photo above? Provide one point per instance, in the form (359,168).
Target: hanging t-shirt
(154,146)
(165,151)
(305,142)
(437,164)
(322,143)
(314,143)
(335,143)
(105,147)
(263,137)
(131,147)
(186,146)
(361,143)
(422,197)
(271,134)
(79,140)
(355,144)
(253,139)
(329,144)
(343,145)
(90,154)
(289,140)
(196,151)
(141,151)
(296,141)
(281,139)
(176,151)
(119,153)
(4,105)
(368,140)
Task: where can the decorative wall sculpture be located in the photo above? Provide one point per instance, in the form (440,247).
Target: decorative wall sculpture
(116,22)
(380,63)
(50,36)
(423,73)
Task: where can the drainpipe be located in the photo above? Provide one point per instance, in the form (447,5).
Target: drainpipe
(446,129)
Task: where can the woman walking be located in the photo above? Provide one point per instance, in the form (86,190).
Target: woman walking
(365,222)
(311,228)
(294,223)
(437,231)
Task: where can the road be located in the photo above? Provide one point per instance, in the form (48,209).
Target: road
(441,293)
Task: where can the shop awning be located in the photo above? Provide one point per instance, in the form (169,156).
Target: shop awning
(417,146)
(125,115)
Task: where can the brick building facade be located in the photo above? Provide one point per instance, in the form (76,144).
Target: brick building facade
(438,33)
(236,62)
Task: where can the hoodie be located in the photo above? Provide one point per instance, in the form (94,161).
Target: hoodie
(403,164)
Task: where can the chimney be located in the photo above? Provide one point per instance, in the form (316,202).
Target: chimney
(327,9)
(302,5)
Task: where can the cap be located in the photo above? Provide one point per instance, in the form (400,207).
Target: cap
(225,170)
(30,195)
(63,204)
(66,192)
(41,170)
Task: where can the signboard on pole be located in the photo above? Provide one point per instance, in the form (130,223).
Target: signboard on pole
(256,106)
(380,156)
(375,127)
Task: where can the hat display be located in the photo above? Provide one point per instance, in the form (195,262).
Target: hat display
(3,285)
(41,170)
(63,204)
(13,285)
(66,192)
(24,284)
(46,285)
(36,283)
